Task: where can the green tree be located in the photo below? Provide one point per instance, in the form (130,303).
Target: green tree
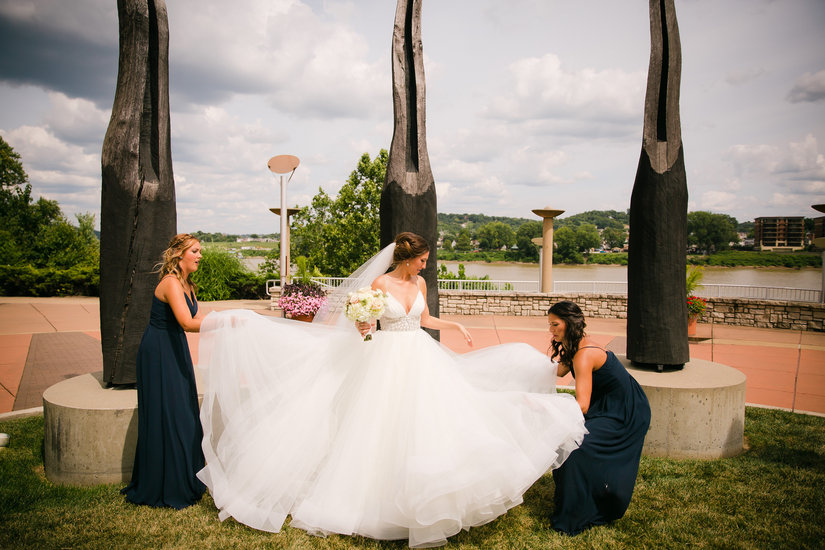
(271,266)
(527,251)
(464,242)
(62,245)
(587,237)
(566,246)
(339,234)
(306,236)
(614,237)
(447,242)
(711,232)
(12,173)
(570,243)
(495,235)
(36,232)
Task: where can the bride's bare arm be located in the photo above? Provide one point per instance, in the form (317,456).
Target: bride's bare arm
(428,321)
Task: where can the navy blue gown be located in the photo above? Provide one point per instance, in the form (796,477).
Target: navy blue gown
(595,483)
(168,453)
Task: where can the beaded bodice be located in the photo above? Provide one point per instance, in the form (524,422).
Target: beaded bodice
(397,319)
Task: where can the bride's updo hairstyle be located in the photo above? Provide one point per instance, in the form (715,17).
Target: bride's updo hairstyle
(573,318)
(179,244)
(408,246)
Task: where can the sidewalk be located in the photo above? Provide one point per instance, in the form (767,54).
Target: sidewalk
(46,340)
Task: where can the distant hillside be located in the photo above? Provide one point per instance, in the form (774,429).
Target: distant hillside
(453,223)
(599,218)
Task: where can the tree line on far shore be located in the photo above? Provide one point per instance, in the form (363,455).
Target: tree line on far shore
(43,254)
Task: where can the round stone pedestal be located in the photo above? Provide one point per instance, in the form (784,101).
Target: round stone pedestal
(90,431)
(696,412)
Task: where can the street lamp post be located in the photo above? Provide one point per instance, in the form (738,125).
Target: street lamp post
(547,214)
(283,164)
(289,213)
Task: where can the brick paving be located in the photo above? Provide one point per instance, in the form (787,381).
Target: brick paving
(46,340)
(52,358)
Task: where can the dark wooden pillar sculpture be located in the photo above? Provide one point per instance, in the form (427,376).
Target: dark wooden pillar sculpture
(408,199)
(656,303)
(138,215)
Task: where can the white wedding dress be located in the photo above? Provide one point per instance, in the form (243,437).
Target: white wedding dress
(393,438)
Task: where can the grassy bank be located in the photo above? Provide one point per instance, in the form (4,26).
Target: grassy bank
(768,497)
(748,258)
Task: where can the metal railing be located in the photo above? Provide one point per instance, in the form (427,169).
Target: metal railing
(783,294)
(488,285)
(590,287)
(777,293)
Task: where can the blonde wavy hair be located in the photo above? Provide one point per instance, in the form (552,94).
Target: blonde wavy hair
(179,244)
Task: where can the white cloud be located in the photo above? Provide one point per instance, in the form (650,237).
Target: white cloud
(304,63)
(750,159)
(810,87)
(720,201)
(526,106)
(42,151)
(543,88)
(77,120)
(803,160)
(743,76)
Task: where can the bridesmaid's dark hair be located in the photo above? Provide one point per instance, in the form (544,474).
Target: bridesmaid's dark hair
(408,246)
(573,318)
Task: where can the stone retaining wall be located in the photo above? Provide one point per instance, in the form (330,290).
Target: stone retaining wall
(724,311)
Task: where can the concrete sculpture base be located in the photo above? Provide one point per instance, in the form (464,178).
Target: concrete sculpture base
(697,412)
(90,431)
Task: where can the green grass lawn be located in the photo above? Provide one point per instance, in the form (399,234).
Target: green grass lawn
(771,496)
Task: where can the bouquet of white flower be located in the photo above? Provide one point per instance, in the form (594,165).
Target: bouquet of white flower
(364,305)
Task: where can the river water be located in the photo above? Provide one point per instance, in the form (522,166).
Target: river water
(808,277)
(750,276)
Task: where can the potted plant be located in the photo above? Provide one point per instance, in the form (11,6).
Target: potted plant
(302,298)
(696,305)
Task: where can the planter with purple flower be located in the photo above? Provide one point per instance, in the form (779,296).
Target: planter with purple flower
(301,300)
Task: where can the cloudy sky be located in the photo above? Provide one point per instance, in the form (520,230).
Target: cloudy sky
(530,103)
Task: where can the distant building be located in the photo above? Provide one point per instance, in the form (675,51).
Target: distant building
(777,233)
(819,227)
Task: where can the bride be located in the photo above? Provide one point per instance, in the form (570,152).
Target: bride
(392,438)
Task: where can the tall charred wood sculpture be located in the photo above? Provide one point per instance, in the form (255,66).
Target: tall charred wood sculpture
(408,199)
(656,303)
(138,214)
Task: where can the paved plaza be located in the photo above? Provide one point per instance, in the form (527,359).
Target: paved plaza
(46,340)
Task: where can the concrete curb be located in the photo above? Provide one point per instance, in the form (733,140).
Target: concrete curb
(14,415)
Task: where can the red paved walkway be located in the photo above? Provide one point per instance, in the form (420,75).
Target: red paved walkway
(46,340)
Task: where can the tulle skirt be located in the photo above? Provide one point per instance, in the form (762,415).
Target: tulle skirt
(392,438)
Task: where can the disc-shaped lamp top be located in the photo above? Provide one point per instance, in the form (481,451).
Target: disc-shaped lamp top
(283,164)
(289,211)
(819,207)
(547,212)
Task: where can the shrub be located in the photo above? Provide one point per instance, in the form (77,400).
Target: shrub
(26,280)
(608,258)
(733,258)
(222,276)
